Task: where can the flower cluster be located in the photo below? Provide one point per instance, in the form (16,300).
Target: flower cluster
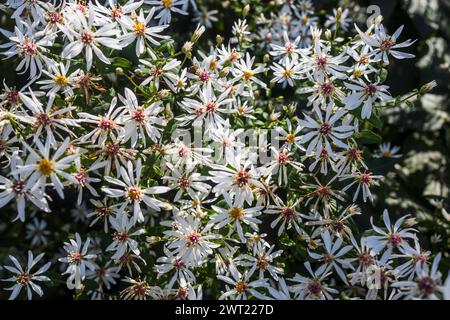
(162,153)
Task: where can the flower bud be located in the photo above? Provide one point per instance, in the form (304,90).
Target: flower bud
(219,39)
(266,58)
(164,93)
(224,72)
(328,34)
(198,33)
(428,87)
(274,116)
(246,10)
(119,70)
(187,47)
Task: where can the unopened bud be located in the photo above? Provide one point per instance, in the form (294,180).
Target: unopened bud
(266,58)
(119,70)
(246,10)
(187,47)
(328,34)
(428,87)
(274,116)
(224,72)
(198,33)
(164,93)
(219,39)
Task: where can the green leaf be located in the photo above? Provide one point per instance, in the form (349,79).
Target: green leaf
(369,137)
(120,62)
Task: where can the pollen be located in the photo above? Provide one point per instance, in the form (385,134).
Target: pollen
(290,138)
(248,74)
(46,166)
(236,213)
(241,287)
(139,28)
(134,193)
(167,3)
(61,80)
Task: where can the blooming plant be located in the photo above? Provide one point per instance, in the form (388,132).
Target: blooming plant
(145,162)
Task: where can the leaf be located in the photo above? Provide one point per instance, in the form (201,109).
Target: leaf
(120,62)
(369,137)
(376,121)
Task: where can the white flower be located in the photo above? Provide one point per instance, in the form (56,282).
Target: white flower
(205,17)
(426,284)
(78,258)
(25,278)
(325,130)
(288,216)
(166,72)
(235,216)
(139,121)
(237,179)
(385,44)
(122,236)
(86,38)
(367,94)
(187,181)
(385,150)
(282,159)
(42,166)
(393,238)
(313,287)
(166,7)
(139,29)
(17,187)
(190,241)
(244,70)
(261,261)
(365,181)
(30,45)
(287,73)
(333,256)
(241,286)
(108,125)
(339,19)
(46,120)
(171,263)
(36,231)
(206,111)
(132,192)
(59,80)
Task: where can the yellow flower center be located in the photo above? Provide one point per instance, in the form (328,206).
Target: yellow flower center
(213,64)
(134,193)
(248,74)
(167,3)
(61,80)
(290,138)
(241,287)
(236,213)
(357,73)
(287,73)
(46,166)
(139,28)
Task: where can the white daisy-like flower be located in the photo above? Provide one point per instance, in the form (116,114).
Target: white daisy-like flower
(122,236)
(393,238)
(236,216)
(78,258)
(190,241)
(384,45)
(132,192)
(366,94)
(139,30)
(83,36)
(25,278)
